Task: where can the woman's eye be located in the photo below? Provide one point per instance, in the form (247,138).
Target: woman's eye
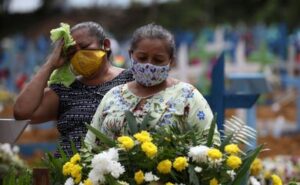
(142,59)
(84,46)
(157,61)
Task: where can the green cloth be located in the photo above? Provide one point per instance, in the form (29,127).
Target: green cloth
(62,75)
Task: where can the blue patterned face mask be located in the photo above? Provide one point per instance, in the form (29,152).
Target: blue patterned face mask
(149,74)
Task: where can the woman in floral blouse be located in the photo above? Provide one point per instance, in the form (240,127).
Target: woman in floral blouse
(168,100)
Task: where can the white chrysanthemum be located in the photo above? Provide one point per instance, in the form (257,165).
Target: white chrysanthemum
(198,153)
(198,169)
(95,177)
(231,173)
(215,163)
(105,163)
(149,177)
(6,148)
(116,169)
(113,153)
(69,181)
(16,149)
(254,181)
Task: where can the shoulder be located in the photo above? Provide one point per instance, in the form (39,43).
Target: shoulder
(184,86)
(124,74)
(59,88)
(115,91)
(187,91)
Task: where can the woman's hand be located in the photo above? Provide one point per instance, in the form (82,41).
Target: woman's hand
(56,59)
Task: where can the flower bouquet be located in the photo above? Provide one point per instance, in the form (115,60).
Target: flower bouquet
(164,155)
(264,171)
(13,170)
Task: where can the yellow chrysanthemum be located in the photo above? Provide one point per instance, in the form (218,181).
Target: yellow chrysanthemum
(164,166)
(214,154)
(256,167)
(276,180)
(76,172)
(180,163)
(213,181)
(75,159)
(77,179)
(67,168)
(267,174)
(143,136)
(233,162)
(149,148)
(88,182)
(169,183)
(126,142)
(232,149)
(139,177)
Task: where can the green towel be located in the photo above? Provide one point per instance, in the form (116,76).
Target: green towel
(62,75)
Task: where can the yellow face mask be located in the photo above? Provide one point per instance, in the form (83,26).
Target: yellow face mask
(87,62)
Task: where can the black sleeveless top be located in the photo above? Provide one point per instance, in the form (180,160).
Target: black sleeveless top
(77,105)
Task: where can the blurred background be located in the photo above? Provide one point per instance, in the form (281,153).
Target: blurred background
(260,40)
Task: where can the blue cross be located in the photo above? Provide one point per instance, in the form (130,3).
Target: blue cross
(219,100)
(294,82)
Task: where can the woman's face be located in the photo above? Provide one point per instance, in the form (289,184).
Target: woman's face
(83,41)
(153,51)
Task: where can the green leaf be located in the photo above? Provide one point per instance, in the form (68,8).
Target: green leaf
(62,153)
(131,121)
(211,132)
(102,137)
(193,176)
(110,180)
(73,147)
(241,174)
(225,142)
(146,120)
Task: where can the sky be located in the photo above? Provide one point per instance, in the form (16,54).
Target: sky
(27,6)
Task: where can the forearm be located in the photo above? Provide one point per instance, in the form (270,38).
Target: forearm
(31,96)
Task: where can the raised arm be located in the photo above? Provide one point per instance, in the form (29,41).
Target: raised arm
(37,102)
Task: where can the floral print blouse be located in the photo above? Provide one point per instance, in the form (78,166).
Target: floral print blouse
(180,102)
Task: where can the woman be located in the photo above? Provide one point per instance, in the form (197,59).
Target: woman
(75,105)
(167,100)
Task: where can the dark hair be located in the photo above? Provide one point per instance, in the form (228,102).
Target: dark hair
(95,30)
(153,31)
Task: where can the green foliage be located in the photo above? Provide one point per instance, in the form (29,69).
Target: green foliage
(211,132)
(171,143)
(19,177)
(102,137)
(247,161)
(55,164)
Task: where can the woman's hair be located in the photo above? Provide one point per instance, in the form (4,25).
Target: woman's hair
(95,30)
(153,31)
